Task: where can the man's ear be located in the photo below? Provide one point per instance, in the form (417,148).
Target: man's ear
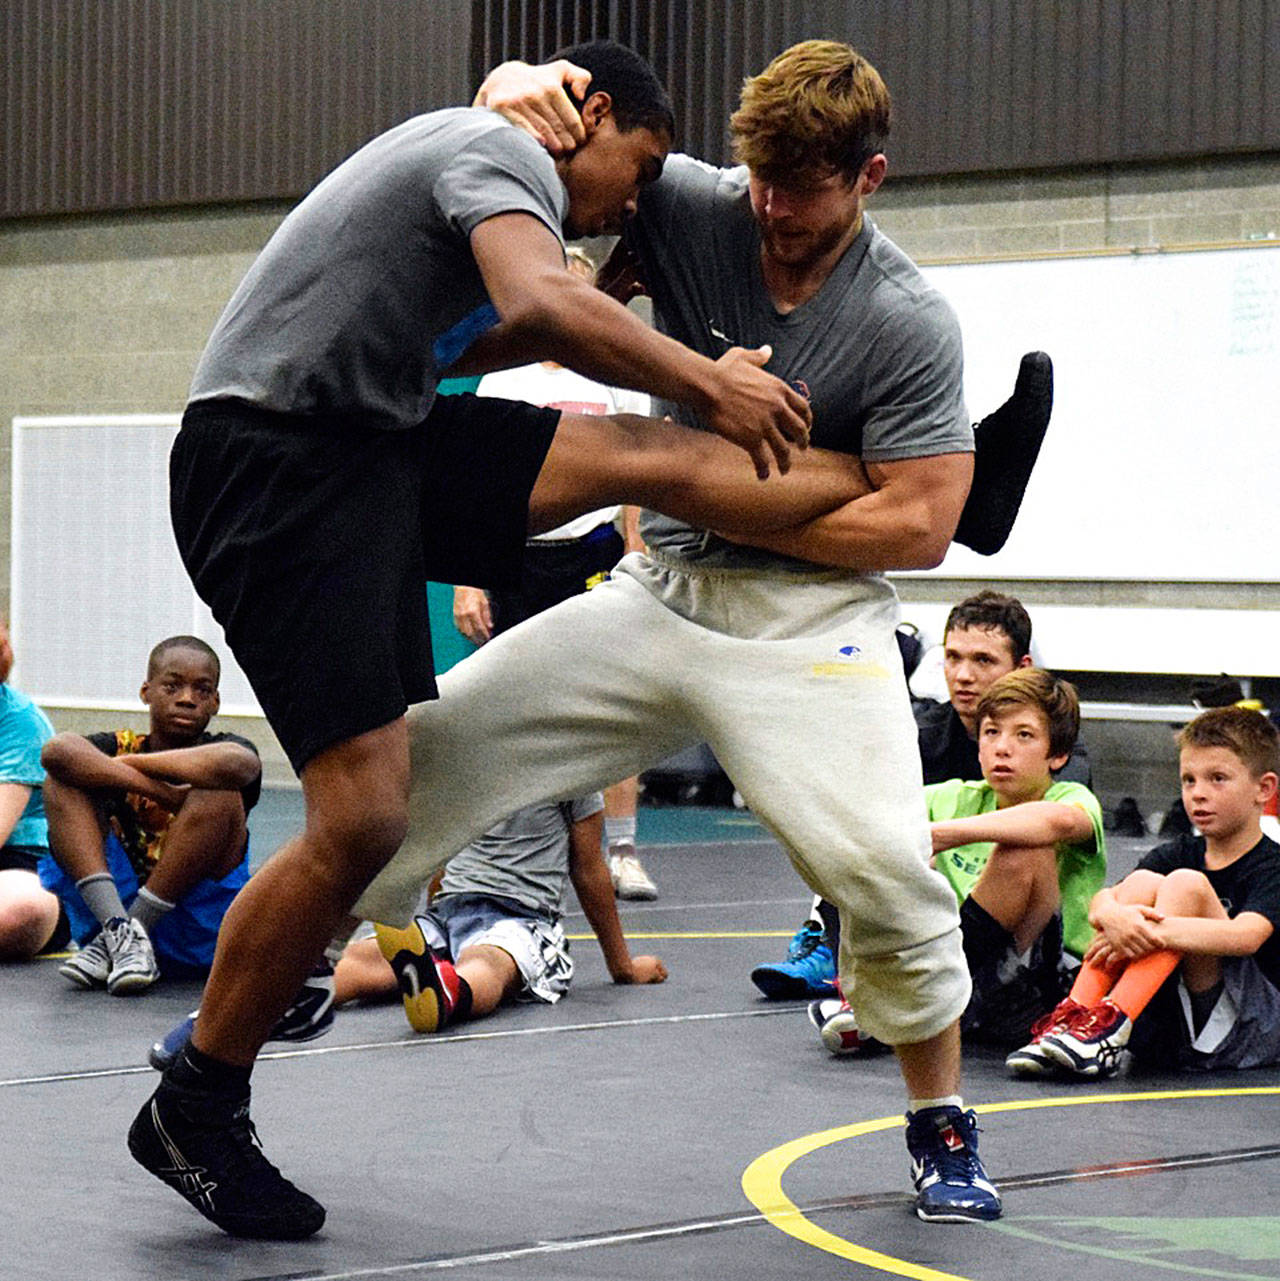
(1025,661)
(873,173)
(144,692)
(597,108)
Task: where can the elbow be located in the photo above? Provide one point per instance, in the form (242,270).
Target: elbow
(56,753)
(924,544)
(243,768)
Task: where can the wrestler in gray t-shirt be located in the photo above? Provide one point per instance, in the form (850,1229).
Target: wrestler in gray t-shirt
(339,312)
(525,857)
(877,349)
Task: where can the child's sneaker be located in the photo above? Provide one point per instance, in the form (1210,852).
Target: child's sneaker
(206,1149)
(88,967)
(809,970)
(951,1185)
(1032,1059)
(419,955)
(133,963)
(1093,1043)
(310,1016)
(838,1029)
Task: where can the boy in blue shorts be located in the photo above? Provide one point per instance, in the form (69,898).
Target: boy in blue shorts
(493,931)
(147,832)
(1024,854)
(1185,965)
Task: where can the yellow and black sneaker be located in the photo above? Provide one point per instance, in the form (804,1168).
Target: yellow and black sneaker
(419,955)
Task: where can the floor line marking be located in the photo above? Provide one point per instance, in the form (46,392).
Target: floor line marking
(424,1042)
(706,1225)
(762,1179)
(677,935)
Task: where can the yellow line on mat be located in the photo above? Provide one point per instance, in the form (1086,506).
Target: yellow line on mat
(696,934)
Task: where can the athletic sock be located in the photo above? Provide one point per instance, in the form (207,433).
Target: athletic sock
(1091,985)
(461,1011)
(620,831)
(1142,979)
(195,1070)
(101,896)
(148,908)
(946,1101)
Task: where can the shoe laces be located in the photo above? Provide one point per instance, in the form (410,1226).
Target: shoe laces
(1095,1019)
(1058,1018)
(805,943)
(957,1164)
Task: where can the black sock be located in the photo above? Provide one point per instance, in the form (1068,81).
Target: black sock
(195,1070)
(462,1006)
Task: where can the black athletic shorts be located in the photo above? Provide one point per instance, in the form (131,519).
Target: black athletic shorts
(22,858)
(555,572)
(312,539)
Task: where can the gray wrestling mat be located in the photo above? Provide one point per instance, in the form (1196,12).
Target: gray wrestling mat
(687,1130)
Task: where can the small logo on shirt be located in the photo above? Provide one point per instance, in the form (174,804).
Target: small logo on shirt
(849,651)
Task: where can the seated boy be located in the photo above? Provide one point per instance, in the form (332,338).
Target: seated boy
(493,931)
(1186,959)
(30,917)
(1024,855)
(147,832)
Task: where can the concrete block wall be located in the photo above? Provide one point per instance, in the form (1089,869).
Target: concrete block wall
(109,314)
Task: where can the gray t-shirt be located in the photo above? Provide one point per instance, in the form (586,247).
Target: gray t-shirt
(339,312)
(525,857)
(877,348)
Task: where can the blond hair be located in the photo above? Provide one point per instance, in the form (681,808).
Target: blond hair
(1034,687)
(818,108)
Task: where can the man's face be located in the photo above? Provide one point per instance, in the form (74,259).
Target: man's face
(974,658)
(1219,793)
(1013,749)
(803,221)
(604,176)
(182,694)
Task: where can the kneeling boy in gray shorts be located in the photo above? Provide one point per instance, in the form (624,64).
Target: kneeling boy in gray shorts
(493,930)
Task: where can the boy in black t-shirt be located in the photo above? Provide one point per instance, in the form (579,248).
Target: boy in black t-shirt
(1205,906)
(156,821)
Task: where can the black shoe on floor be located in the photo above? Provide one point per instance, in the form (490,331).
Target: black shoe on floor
(1006,445)
(207,1150)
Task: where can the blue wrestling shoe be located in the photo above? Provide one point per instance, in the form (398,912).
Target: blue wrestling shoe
(808,971)
(310,1016)
(951,1185)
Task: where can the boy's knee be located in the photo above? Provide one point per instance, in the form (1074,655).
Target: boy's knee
(1185,885)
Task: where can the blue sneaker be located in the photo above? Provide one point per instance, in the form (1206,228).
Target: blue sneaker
(310,1016)
(951,1185)
(808,971)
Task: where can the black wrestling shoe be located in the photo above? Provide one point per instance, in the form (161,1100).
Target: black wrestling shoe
(1006,445)
(206,1149)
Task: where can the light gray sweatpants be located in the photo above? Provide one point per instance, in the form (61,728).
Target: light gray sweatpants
(796,683)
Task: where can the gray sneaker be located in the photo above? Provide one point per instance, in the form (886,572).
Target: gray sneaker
(133,963)
(90,966)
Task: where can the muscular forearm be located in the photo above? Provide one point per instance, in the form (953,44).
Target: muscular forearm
(904,523)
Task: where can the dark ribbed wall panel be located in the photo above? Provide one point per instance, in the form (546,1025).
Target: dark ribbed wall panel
(125,103)
(979,84)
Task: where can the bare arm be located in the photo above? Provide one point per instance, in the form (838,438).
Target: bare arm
(1239,935)
(72,759)
(1032,823)
(533,98)
(216,766)
(906,522)
(594,888)
(539,301)
(13,800)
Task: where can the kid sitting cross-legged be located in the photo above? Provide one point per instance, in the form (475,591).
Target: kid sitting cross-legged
(1023,853)
(1205,907)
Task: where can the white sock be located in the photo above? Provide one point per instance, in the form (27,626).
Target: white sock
(620,831)
(947,1101)
(148,908)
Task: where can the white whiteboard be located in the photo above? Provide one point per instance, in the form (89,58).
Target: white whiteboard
(1162,459)
(96,579)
